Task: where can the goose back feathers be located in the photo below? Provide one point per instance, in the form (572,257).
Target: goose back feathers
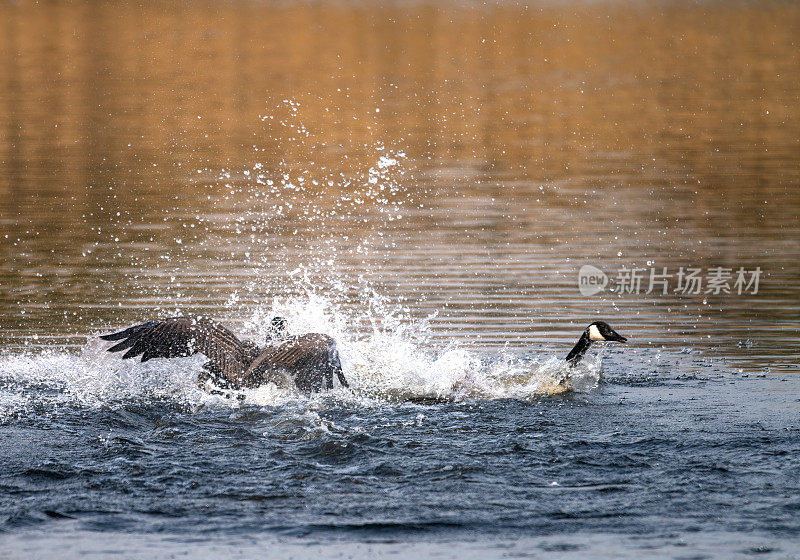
(310,359)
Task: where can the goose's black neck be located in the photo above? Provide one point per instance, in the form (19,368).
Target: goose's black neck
(576,354)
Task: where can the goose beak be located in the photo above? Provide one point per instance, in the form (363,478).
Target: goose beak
(614,336)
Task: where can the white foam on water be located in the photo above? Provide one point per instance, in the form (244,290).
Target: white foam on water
(395,362)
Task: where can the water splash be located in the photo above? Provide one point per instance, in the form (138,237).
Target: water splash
(393,362)
(281,230)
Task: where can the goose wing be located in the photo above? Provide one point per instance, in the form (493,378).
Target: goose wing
(312,359)
(184,336)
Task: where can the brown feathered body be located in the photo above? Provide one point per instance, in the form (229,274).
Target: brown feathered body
(311,360)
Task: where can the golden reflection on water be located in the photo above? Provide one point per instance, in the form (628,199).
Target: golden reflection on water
(537,139)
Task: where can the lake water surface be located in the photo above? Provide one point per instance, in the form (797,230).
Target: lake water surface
(423,181)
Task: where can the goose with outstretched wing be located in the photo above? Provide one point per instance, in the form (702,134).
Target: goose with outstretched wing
(311,360)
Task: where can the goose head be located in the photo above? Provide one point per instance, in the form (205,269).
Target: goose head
(599,331)
(278,330)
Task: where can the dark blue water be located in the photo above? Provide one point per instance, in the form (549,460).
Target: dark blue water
(652,458)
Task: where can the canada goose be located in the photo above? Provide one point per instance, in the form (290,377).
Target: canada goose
(599,331)
(310,359)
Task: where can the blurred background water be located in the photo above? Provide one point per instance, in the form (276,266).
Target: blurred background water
(425,181)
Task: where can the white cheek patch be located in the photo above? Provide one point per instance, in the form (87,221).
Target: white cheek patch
(594,333)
